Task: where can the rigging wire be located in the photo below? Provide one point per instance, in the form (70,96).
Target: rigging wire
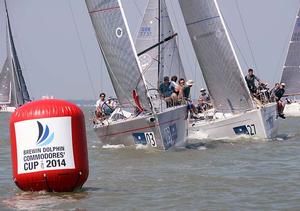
(180,37)
(82,50)
(140,16)
(235,41)
(195,75)
(138,9)
(24,70)
(192,61)
(20,51)
(247,37)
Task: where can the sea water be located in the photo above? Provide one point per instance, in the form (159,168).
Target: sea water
(216,175)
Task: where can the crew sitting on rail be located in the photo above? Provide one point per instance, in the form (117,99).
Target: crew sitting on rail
(104,107)
(280,104)
(250,79)
(166,89)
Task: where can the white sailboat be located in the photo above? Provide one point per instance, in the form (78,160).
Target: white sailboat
(13,90)
(153,125)
(235,112)
(291,72)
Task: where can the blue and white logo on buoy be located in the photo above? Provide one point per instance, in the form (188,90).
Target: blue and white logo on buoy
(45,137)
(44,144)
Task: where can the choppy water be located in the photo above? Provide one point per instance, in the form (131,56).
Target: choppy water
(218,175)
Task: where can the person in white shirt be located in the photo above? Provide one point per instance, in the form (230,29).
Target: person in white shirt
(104,106)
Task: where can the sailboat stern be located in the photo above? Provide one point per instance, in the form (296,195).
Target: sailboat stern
(258,123)
(134,131)
(173,126)
(269,121)
(292,109)
(163,131)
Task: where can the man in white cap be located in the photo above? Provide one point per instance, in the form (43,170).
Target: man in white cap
(280,104)
(204,95)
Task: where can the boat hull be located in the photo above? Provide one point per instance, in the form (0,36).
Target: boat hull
(7,109)
(258,123)
(292,110)
(163,131)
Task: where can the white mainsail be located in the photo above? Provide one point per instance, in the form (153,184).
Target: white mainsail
(117,47)
(291,69)
(13,90)
(164,59)
(216,56)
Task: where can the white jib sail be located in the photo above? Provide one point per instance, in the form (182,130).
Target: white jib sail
(163,60)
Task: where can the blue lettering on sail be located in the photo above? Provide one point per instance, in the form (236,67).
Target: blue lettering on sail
(145,31)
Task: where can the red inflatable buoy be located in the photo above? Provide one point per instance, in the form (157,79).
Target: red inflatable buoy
(48,146)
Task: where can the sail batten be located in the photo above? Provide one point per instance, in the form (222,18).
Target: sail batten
(216,56)
(117,48)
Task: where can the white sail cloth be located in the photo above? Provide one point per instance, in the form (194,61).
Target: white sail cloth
(291,69)
(163,60)
(215,54)
(118,50)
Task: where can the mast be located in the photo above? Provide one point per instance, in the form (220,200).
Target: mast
(10,60)
(156,44)
(159,55)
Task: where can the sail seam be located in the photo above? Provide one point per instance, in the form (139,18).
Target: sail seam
(199,21)
(104,10)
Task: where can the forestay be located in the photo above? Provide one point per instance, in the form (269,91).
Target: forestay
(216,56)
(164,59)
(169,53)
(147,37)
(291,69)
(118,50)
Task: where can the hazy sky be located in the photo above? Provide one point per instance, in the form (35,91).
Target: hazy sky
(60,56)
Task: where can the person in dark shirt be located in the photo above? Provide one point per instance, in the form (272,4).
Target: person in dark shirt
(166,90)
(202,106)
(250,79)
(187,90)
(272,92)
(280,104)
